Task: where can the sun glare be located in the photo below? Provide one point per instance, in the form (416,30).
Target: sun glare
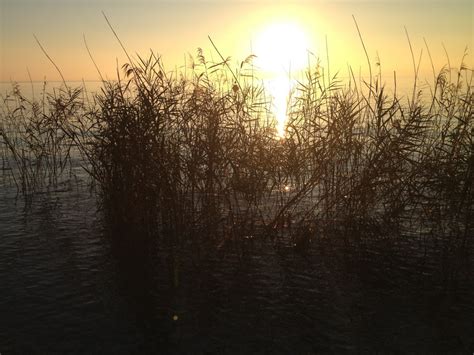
(281,47)
(281,50)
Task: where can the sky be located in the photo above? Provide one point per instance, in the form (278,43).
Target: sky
(269,29)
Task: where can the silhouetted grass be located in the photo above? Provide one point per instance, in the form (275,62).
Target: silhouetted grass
(194,155)
(37,136)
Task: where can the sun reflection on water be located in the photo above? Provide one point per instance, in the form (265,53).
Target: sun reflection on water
(280,89)
(281,50)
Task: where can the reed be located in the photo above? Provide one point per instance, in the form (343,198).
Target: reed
(37,137)
(193,156)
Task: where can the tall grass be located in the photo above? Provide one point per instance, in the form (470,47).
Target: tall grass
(194,155)
(37,136)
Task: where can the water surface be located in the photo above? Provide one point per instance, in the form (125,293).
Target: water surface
(66,289)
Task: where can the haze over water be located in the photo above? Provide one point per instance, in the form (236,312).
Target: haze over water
(239,28)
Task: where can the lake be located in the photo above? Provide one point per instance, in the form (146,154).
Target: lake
(66,290)
(71,283)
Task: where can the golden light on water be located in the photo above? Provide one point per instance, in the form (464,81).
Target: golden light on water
(282,51)
(279,88)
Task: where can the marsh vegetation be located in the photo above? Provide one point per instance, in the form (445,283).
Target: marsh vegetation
(191,162)
(180,153)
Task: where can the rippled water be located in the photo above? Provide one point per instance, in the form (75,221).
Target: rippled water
(66,288)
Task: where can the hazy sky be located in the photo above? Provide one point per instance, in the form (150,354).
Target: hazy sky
(174,28)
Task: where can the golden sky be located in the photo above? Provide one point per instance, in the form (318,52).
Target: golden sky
(266,28)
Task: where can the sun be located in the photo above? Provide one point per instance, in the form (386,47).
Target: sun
(281,51)
(281,47)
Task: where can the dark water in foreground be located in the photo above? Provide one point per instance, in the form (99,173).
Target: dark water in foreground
(66,289)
